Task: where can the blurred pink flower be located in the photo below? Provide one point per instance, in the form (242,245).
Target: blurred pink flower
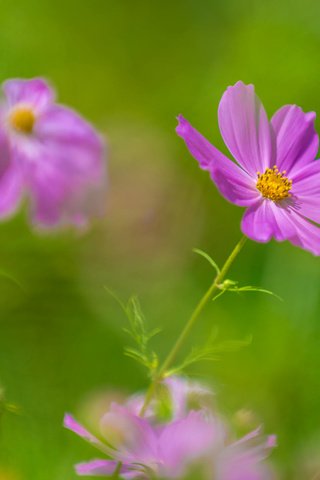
(147,449)
(51,155)
(143,449)
(276,175)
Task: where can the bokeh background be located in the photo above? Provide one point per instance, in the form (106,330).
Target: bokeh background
(131,67)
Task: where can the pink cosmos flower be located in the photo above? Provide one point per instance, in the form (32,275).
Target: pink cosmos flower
(143,449)
(149,450)
(276,175)
(49,154)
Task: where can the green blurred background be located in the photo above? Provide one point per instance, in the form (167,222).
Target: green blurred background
(131,67)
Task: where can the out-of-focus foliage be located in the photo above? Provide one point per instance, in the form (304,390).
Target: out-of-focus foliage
(131,67)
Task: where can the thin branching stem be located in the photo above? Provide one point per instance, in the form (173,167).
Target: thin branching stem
(214,287)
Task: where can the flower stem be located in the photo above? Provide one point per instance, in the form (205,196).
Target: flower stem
(117,471)
(158,377)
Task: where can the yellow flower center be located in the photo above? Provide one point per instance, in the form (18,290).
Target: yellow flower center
(22,119)
(274,184)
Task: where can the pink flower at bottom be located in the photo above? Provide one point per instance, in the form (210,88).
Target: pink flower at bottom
(144,450)
(148,450)
(276,176)
(56,158)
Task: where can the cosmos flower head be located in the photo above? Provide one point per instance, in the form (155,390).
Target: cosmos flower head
(50,155)
(146,450)
(149,447)
(276,176)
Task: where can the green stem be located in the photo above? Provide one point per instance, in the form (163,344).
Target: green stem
(190,324)
(117,471)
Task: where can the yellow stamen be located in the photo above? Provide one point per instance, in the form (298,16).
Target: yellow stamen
(274,184)
(22,119)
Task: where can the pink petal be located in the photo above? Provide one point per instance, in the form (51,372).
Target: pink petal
(305,191)
(71,424)
(295,228)
(34,92)
(233,182)
(97,467)
(305,181)
(135,404)
(185,441)
(106,468)
(308,207)
(5,153)
(245,128)
(63,194)
(297,140)
(51,192)
(10,179)
(243,469)
(11,191)
(60,128)
(181,391)
(243,460)
(65,169)
(268,219)
(136,439)
(258,221)
(264,444)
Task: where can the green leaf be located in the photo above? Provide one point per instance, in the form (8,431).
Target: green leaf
(232,286)
(138,332)
(12,279)
(218,295)
(233,345)
(210,351)
(208,258)
(249,288)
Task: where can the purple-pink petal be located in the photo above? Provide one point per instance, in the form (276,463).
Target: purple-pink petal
(60,127)
(185,441)
(106,468)
(244,469)
(202,150)
(294,227)
(297,140)
(305,191)
(138,442)
(233,182)
(267,220)
(34,92)
(182,391)
(65,185)
(243,460)
(305,181)
(11,179)
(5,153)
(71,423)
(245,128)
(97,467)
(258,221)
(11,191)
(308,208)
